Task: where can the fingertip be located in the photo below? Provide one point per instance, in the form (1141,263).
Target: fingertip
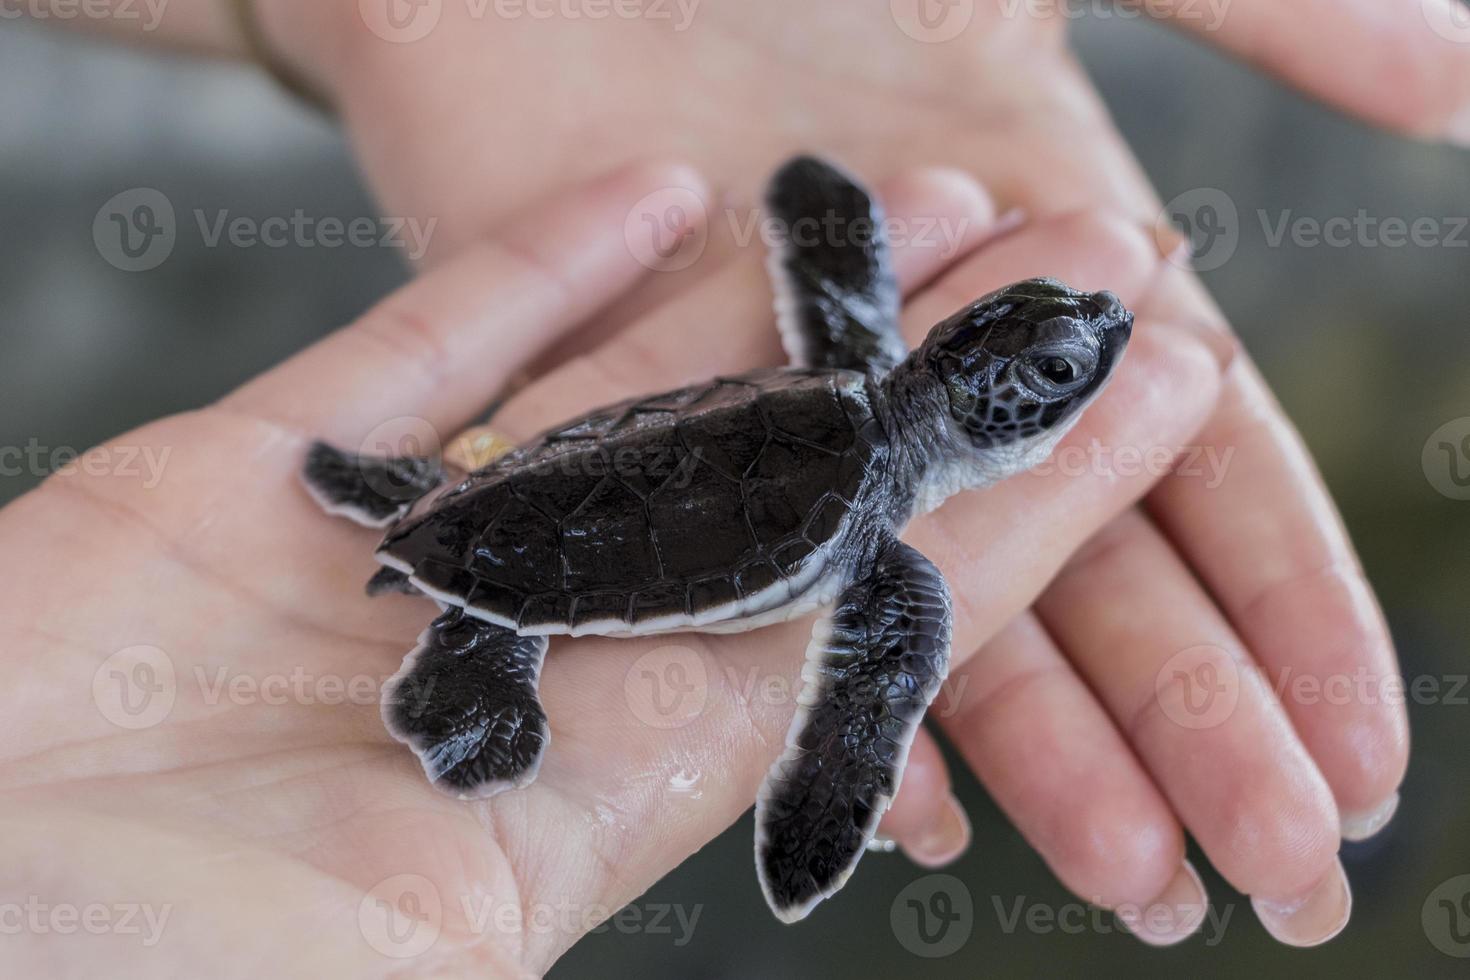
(917,819)
(939,215)
(946,190)
(1361,825)
(1174,915)
(1457,130)
(943,840)
(1312,918)
(644,176)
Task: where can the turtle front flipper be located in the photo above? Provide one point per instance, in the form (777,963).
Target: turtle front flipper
(837,297)
(869,677)
(465,701)
(374,491)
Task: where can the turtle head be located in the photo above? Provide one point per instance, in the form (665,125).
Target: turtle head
(1018,366)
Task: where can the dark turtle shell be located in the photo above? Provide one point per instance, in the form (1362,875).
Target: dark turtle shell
(693,506)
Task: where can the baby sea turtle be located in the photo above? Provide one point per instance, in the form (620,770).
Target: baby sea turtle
(734,504)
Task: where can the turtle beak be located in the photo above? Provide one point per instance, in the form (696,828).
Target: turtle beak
(1114,328)
(1115,322)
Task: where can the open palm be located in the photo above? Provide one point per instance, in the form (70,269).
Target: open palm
(195,672)
(1246,576)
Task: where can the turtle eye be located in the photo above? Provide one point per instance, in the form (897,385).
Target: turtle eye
(1051,375)
(1058,370)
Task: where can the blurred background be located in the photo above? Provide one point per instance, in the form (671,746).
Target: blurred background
(1367,345)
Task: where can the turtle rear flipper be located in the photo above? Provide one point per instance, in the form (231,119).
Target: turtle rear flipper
(466,703)
(866,685)
(374,491)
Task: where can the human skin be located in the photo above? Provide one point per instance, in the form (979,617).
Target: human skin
(253,805)
(1256,570)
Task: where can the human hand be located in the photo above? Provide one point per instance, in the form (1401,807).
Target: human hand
(1255,569)
(186,655)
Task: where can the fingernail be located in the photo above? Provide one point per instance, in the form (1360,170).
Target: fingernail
(1173,247)
(1008,222)
(1312,919)
(1361,826)
(944,840)
(1457,131)
(1174,915)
